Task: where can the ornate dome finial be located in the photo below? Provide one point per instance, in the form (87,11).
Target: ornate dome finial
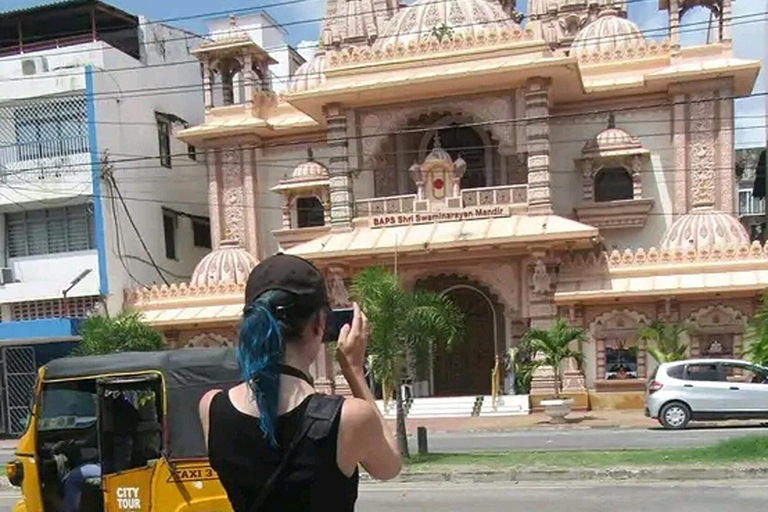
(232,20)
(310,154)
(611,120)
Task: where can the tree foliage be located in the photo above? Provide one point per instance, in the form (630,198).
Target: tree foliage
(664,340)
(404,327)
(126,332)
(552,347)
(757,337)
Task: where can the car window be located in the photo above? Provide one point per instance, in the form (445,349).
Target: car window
(676,372)
(702,372)
(742,372)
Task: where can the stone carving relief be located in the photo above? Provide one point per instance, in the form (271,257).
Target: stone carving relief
(209,340)
(702,151)
(541,281)
(232,196)
(337,290)
(376,126)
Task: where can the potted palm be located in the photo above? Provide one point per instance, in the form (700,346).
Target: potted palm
(551,348)
(405,326)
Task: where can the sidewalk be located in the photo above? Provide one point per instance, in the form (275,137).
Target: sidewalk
(535,421)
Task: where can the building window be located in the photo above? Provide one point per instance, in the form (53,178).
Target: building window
(750,205)
(164,140)
(192,152)
(51,128)
(621,361)
(77,307)
(309,212)
(170,223)
(613,184)
(56,230)
(201,232)
(716,345)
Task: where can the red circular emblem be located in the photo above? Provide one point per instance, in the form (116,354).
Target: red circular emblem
(438,184)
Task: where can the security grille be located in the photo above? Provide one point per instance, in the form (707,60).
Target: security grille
(51,231)
(20,370)
(40,134)
(78,307)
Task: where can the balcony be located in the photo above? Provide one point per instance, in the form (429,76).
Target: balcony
(515,196)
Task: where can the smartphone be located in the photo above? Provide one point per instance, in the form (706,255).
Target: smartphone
(336,320)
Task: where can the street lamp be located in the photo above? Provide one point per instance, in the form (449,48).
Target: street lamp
(72,284)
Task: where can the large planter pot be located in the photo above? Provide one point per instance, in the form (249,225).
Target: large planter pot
(557,409)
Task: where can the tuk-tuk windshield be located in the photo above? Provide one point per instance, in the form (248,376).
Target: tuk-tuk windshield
(68,405)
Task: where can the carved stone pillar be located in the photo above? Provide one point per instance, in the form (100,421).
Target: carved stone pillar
(679,140)
(637,177)
(674,25)
(341,182)
(286,211)
(339,298)
(248,79)
(234,213)
(725,155)
(207,85)
(537,138)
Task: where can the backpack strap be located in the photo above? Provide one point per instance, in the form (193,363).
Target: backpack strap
(319,416)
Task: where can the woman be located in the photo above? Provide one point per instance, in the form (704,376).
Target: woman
(276,411)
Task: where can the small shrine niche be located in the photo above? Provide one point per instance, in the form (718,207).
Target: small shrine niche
(611,166)
(438,180)
(306,195)
(241,65)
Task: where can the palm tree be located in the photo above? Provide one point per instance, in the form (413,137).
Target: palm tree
(404,327)
(125,332)
(552,347)
(757,349)
(666,339)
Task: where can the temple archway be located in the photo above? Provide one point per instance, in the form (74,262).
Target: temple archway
(466,368)
(470,145)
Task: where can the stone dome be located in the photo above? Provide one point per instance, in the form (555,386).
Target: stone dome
(229,264)
(310,75)
(540,8)
(705,230)
(310,170)
(418,21)
(608,34)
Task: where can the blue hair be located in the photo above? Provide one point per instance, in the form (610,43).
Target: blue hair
(261,346)
(260,351)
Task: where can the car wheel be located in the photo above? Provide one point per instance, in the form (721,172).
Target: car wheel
(674,416)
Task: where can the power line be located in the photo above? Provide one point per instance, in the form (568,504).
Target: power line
(473,124)
(689,28)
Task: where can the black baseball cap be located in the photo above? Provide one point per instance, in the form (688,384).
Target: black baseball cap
(290,274)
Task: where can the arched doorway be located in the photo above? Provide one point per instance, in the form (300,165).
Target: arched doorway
(465,141)
(466,368)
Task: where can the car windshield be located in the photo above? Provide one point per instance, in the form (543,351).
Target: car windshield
(68,405)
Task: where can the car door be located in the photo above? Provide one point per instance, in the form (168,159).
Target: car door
(748,391)
(704,389)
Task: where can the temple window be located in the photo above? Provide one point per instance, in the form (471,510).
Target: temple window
(467,143)
(621,361)
(718,333)
(621,357)
(612,166)
(613,184)
(309,212)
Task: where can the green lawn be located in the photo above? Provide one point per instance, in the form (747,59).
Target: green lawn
(743,450)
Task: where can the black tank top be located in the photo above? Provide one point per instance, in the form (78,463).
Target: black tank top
(244,460)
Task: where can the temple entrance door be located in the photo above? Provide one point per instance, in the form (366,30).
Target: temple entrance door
(466,369)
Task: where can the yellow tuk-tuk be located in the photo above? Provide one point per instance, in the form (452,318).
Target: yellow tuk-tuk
(135,415)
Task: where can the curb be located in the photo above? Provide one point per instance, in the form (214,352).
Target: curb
(571,475)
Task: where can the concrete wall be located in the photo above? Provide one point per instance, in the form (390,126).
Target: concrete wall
(652,127)
(127,96)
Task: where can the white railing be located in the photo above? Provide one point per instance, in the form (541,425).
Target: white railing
(749,205)
(492,196)
(384,205)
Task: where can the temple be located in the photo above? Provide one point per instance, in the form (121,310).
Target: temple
(570,167)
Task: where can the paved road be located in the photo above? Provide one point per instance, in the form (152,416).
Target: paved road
(654,497)
(587,439)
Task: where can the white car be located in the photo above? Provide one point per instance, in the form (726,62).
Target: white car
(706,389)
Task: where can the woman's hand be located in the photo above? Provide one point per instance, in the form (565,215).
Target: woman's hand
(353,340)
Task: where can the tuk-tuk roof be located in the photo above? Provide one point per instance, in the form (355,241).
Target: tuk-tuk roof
(188,374)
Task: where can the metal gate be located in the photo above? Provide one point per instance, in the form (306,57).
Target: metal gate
(19,375)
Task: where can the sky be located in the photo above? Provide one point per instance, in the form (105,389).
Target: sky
(301,19)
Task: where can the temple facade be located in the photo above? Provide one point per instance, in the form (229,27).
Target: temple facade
(568,167)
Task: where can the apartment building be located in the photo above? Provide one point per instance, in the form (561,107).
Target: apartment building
(96,193)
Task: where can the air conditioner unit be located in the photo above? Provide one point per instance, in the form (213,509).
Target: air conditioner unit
(33,66)
(6,275)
